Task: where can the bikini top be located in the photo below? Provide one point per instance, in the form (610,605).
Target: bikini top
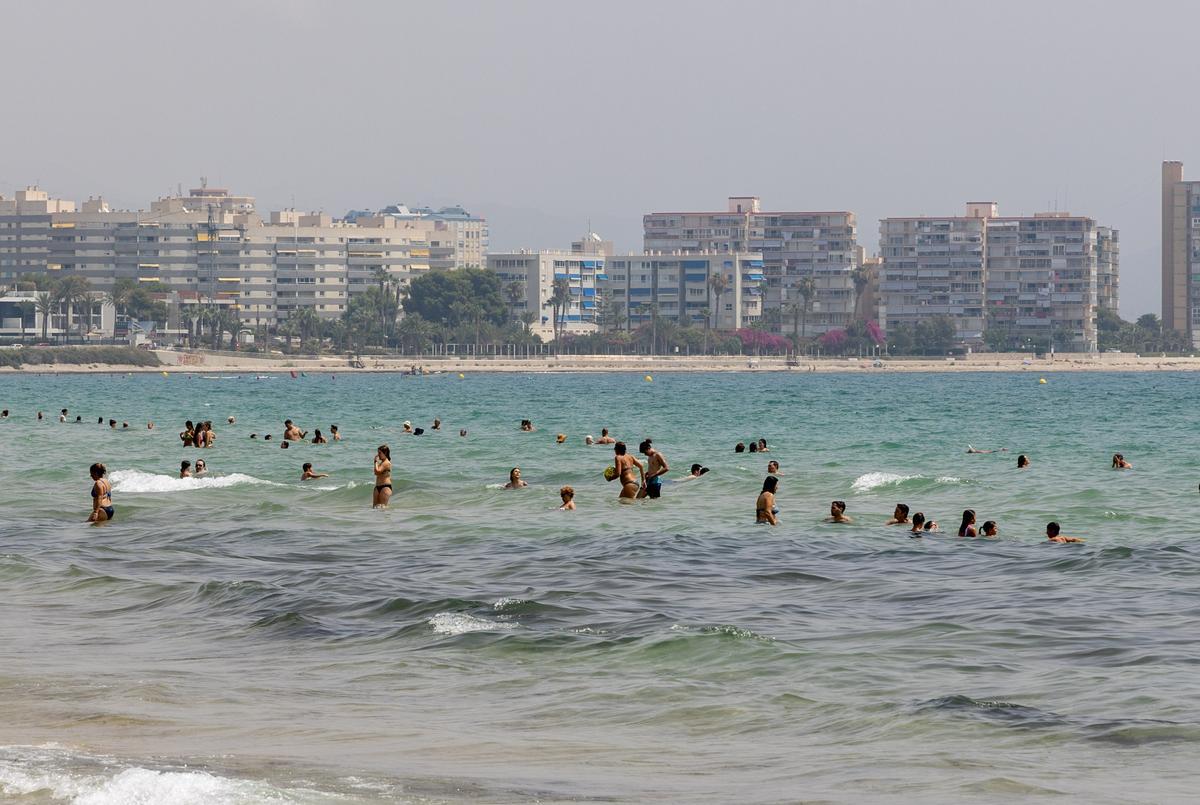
(107,493)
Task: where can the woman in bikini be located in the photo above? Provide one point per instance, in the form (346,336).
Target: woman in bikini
(102,508)
(625,465)
(765,510)
(383,478)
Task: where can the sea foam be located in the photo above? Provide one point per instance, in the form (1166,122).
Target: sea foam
(874,480)
(138,482)
(454,623)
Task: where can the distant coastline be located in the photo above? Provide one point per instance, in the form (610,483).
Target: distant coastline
(200,362)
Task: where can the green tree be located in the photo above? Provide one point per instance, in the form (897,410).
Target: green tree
(434,293)
(806,287)
(45,305)
(560,300)
(717,285)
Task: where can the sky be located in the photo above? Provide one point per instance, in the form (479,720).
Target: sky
(546,116)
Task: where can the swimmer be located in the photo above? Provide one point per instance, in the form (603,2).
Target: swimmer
(918,524)
(318,438)
(253,435)
(605,438)
(762,446)
(739,448)
(656,468)
(229,420)
(201,467)
(1119,462)
(931,525)
(753,447)
(102,508)
(62,416)
(185,469)
(765,510)
(99,420)
(900,515)
(292,433)
(1053,534)
(112,423)
(837,513)
(773,467)
(188,434)
(267,438)
(4,414)
(1022,462)
(588,440)
(337,434)
(307,474)
(284,445)
(697,471)
(514,479)
(463,433)
(567,494)
(437,424)
(39,416)
(560,438)
(407,426)
(967,527)
(124,426)
(527,426)
(624,465)
(383,478)
(79,420)
(149,425)
(989,529)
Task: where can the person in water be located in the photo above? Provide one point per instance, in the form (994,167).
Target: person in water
(292,433)
(739,448)
(62,416)
(1054,534)
(605,438)
(188,434)
(900,515)
(989,529)
(102,507)
(383,478)
(527,426)
(656,468)
(267,438)
(588,440)
(307,474)
(335,433)
(1119,462)
(407,426)
(1022,462)
(753,447)
(201,467)
(697,471)
(765,510)
(762,446)
(318,438)
(967,527)
(837,513)
(514,479)
(437,424)
(624,465)
(918,524)
(772,467)
(185,469)
(567,494)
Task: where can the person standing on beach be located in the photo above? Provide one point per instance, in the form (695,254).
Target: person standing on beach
(102,508)
(656,468)
(624,465)
(383,478)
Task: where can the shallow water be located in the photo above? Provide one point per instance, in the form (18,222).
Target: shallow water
(247,637)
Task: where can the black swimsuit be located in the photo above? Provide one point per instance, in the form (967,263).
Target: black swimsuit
(108,510)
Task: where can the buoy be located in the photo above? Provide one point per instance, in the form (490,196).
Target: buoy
(649,379)
(461,375)
(1042,380)
(165,374)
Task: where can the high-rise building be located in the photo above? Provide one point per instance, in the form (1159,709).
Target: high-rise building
(456,238)
(794,246)
(1034,279)
(528,283)
(1180,252)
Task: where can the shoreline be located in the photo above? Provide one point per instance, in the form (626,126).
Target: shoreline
(216,363)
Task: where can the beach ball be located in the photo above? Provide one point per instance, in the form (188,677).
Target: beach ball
(610,473)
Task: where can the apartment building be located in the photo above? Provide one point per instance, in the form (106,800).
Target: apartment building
(794,246)
(682,287)
(1037,278)
(455,238)
(1180,252)
(212,247)
(528,282)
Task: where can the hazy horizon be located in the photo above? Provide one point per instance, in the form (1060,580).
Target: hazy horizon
(544,117)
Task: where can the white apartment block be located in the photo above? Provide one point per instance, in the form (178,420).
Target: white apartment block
(533,273)
(681,285)
(793,245)
(455,237)
(211,248)
(1040,277)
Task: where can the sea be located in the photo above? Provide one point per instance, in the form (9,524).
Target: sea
(246,637)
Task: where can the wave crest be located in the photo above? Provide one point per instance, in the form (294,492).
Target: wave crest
(455,623)
(138,482)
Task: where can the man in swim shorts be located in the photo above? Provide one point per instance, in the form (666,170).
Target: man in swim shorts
(656,467)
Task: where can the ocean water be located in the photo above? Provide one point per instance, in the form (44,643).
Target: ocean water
(250,638)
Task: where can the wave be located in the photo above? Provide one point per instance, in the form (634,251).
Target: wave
(138,482)
(456,623)
(874,480)
(41,773)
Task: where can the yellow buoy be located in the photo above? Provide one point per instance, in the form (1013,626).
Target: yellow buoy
(461,375)
(1042,380)
(649,379)
(165,374)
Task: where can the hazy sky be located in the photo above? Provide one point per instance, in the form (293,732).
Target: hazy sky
(545,115)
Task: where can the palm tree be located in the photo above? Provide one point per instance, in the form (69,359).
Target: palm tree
(717,284)
(653,308)
(74,291)
(862,278)
(516,294)
(807,288)
(527,319)
(560,300)
(45,304)
(707,314)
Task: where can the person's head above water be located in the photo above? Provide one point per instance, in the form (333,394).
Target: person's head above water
(696,469)
(1022,461)
(753,447)
(837,508)
(184,466)
(1052,529)
(968,519)
(918,520)
(514,475)
(770,484)
(901,512)
(306,466)
(989,528)
(739,448)
(772,466)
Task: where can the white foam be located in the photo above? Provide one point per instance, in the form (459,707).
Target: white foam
(874,480)
(136,481)
(950,479)
(454,623)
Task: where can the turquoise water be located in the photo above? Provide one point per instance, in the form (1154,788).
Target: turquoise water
(247,637)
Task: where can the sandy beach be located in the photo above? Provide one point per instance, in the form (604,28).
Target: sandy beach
(208,362)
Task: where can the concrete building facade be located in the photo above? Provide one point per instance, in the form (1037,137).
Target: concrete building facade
(1180,252)
(455,238)
(794,246)
(531,276)
(1037,278)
